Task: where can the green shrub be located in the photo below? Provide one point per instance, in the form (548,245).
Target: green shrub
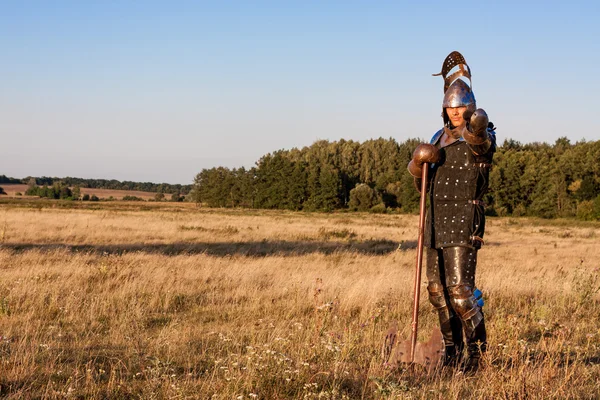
(596,213)
(585,210)
(132,198)
(379,209)
(362,197)
(519,211)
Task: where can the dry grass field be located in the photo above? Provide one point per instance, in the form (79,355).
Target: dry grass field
(180,302)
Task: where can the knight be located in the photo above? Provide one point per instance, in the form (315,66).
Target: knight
(455,221)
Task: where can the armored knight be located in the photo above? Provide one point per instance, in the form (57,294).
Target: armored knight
(455,217)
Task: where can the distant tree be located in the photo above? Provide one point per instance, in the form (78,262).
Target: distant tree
(176,197)
(327,197)
(585,210)
(596,208)
(132,198)
(273,173)
(2,191)
(32,188)
(297,186)
(159,196)
(76,193)
(63,191)
(511,144)
(94,198)
(362,197)
(408,195)
(5,179)
(85,197)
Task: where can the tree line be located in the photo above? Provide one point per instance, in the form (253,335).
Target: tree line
(536,179)
(113,184)
(57,190)
(60,190)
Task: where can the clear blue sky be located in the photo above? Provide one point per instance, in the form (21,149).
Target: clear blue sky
(156,91)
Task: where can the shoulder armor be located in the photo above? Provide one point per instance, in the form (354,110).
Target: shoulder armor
(492,136)
(492,133)
(436,137)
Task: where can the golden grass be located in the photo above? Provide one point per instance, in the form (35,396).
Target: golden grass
(180,302)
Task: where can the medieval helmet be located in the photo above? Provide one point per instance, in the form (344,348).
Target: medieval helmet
(457,93)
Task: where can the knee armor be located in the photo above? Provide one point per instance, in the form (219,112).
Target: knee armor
(466,306)
(438,301)
(436,296)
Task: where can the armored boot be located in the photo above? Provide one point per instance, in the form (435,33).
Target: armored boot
(476,346)
(450,325)
(453,353)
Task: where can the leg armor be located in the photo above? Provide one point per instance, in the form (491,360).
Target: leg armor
(450,324)
(460,263)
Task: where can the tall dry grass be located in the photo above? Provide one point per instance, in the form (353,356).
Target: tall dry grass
(197,303)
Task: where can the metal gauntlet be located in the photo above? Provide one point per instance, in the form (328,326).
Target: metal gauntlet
(476,134)
(424,153)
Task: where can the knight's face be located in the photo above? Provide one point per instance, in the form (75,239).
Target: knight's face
(456,115)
